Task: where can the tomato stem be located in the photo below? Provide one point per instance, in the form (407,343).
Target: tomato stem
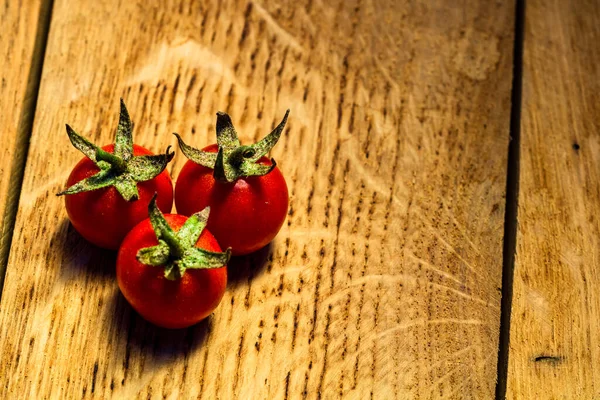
(175,247)
(176,251)
(233,160)
(121,169)
(115,161)
(238,155)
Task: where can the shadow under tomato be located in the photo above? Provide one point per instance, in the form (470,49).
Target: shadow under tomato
(242,269)
(134,338)
(152,343)
(78,256)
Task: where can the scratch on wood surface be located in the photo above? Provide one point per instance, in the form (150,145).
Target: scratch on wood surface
(461,294)
(291,270)
(373,179)
(432,267)
(442,379)
(424,322)
(435,232)
(287,37)
(311,232)
(453,355)
(49,187)
(165,56)
(386,74)
(373,337)
(358,284)
(460,227)
(459,387)
(135,386)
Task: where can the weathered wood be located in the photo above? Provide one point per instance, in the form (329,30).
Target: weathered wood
(555,329)
(18,26)
(383,283)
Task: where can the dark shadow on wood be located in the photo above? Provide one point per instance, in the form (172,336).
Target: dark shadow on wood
(242,269)
(78,257)
(155,345)
(82,260)
(512,200)
(24,129)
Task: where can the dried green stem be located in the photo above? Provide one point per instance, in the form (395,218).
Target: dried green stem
(120,169)
(176,251)
(234,160)
(115,162)
(175,247)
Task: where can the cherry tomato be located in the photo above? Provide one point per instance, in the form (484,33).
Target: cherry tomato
(177,303)
(102,216)
(245,214)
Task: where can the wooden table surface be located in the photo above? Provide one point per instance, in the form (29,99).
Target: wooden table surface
(425,255)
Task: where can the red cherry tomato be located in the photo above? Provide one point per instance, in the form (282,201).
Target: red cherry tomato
(102,216)
(244,215)
(175,303)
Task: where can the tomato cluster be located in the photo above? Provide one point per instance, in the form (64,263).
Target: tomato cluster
(170,267)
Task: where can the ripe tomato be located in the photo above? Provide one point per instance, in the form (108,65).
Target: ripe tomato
(102,216)
(108,192)
(245,190)
(245,214)
(176,303)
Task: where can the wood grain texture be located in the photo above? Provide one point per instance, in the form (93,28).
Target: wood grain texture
(555,329)
(384,281)
(18,26)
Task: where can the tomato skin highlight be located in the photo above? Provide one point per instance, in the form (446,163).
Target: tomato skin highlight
(169,304)
(245,215)
(102,216)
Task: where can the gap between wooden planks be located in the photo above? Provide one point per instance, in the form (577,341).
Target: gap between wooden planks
(21,48)
(385,280)
(555,324)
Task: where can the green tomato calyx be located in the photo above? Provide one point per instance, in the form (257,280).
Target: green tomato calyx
(176,251)
(233,160)
(120,169)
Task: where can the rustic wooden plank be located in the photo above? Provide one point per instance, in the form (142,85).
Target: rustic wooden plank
(555,329)
(18,27)
(384,282)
